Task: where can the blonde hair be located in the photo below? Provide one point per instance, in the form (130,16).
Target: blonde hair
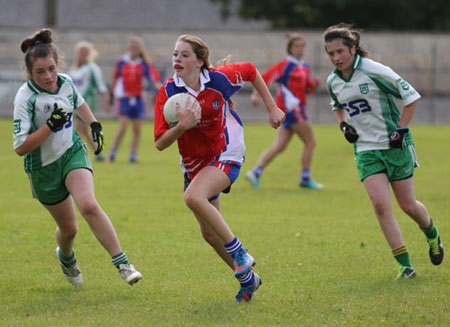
(143,53)
(199,47)
(349,35)
(223,61)
(291,38)
(93,53)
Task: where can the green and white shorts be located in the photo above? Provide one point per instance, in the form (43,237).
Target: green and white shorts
(397,164)
(48,183)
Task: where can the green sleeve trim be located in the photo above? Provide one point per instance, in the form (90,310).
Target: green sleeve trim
(383,84)
(390,112)
(75,97)
(32,159)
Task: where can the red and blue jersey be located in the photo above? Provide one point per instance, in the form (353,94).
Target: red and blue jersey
(219,134)
(294,82)
(129,77)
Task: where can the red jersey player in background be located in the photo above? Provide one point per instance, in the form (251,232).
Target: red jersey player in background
(133,73)
(212,149)
(294,80)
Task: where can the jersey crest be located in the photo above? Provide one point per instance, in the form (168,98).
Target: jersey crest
(364,88)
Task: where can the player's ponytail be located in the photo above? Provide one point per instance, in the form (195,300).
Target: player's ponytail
(223,61)
(349,36)
(359,49)
(40,45)
(44,36)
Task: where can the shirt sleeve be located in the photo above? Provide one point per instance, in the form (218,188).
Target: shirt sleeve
(311,84)
(156,75)
(239,72)
(77,97)
(148,75)
(159,122)
(117,73)
(22,120)
(98,77)
(273,73)
(334,100)
(390,82)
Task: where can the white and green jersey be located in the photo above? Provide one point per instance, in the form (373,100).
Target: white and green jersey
(88,80)
(32,107)
(369,97)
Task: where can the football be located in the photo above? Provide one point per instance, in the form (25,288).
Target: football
(175,101)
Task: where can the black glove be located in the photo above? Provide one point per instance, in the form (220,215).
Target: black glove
(57,119)
(97,136)
(398,137)
(349,132)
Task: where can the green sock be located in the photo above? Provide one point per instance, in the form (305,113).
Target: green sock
(67,261)
(119,259)
(401,255)
(431,231)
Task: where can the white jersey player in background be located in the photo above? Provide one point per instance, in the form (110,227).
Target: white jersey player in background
(56,159)
(88,79)
(363,94)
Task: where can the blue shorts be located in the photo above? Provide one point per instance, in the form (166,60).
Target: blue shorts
(231,168)
(295,116)
(132,107)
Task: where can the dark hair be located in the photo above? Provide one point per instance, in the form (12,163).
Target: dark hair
(349,35)
(291,38)
(40,45)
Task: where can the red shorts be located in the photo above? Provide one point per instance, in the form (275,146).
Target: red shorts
(231,168)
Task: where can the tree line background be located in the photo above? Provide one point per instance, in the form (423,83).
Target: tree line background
(401,15)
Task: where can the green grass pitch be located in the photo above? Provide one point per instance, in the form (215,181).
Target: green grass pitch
(321,254)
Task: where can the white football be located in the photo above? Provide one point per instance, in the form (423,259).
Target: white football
(178,101)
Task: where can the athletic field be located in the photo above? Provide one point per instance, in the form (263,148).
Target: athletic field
(321,255)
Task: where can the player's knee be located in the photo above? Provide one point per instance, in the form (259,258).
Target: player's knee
(311,144)
(192,200)
(380,208)
(69,231)
(280,148)
(408,207)
(89,208)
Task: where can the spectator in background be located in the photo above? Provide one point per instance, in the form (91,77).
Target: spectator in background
(133,74)
(294,80)
(88,79)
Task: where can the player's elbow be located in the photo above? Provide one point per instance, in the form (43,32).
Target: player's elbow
(159,145)
(20,151)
